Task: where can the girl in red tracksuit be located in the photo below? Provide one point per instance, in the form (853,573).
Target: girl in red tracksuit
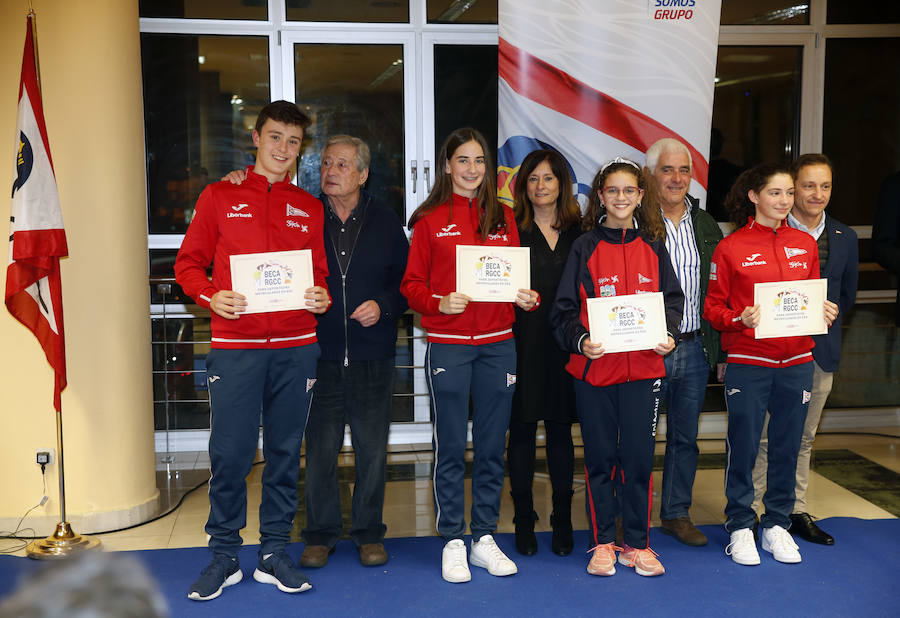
(762,374)
(617,395)
(470,349)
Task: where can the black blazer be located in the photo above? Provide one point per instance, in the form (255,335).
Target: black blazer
(842,272)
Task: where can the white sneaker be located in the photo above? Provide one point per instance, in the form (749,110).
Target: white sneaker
(779,543)
(454,567)
(742,548)
(486,554)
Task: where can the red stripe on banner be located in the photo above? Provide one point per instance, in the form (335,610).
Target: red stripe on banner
(552,87)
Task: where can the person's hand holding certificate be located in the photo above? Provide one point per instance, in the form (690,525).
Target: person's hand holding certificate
(495,274)
(273,281)
(627,323)
(791,308)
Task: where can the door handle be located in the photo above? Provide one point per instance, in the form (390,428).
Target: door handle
(414,176)
(428,175)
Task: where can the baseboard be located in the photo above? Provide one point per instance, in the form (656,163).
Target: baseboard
(89,523)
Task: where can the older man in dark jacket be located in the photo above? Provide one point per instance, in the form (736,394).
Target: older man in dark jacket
(366,250)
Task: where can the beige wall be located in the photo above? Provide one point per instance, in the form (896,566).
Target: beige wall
(91,80)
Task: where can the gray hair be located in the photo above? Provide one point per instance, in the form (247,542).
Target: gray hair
(666,144)
(363,156)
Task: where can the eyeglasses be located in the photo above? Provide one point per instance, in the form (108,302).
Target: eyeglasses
(613,192)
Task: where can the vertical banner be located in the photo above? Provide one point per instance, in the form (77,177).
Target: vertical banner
(595,79)
(36,236)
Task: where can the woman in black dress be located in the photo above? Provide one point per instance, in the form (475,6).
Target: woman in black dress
(548,219)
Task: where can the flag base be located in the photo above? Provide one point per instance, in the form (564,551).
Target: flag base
(61,544)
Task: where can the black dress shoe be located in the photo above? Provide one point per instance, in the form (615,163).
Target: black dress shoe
(802,525)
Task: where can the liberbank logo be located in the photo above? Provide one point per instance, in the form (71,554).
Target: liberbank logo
(671,10)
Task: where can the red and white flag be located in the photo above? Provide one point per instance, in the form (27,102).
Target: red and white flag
(36,236)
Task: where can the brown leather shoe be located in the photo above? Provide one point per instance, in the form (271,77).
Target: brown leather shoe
(684,530)
(372,554)
(315,556)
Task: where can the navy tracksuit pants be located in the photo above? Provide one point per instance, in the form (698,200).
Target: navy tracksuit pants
(244,384)
(619,420)
(487,372)
(750,390)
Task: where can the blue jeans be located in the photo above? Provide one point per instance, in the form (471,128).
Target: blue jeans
(359,394)
(685,387)
(453,372)
(242,385)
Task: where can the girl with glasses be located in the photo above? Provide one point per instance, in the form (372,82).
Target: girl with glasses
(617,395)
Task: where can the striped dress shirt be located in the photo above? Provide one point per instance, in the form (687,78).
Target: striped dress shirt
(682,248)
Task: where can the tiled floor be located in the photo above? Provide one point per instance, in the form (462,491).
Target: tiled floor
(836,490)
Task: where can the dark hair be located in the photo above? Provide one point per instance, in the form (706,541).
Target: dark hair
(567,211)
(738,203)
(649,219)
(813,158)
(492,218)
(282,111)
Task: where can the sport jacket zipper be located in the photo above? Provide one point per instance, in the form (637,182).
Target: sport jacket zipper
(344,286)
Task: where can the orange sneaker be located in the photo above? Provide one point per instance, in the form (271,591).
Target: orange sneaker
(643,560)
(603,562)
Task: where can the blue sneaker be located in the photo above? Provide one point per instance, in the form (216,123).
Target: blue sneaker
(223,571)
(278,569)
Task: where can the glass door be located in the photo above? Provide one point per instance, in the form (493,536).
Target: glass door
(358,85)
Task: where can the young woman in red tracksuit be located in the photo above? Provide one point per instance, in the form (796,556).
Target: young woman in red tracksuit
(761,374)
(617,396)
(470,349)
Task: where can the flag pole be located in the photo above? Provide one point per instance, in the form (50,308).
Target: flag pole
(64,541)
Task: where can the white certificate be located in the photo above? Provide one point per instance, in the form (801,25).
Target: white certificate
(628,323)
(791,308)
(273,281)
(495,274)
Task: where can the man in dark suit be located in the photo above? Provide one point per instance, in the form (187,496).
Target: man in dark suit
(839,263)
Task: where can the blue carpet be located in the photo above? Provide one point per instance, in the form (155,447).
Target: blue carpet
(858,576)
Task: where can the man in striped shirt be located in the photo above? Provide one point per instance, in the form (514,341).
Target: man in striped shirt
(691,237)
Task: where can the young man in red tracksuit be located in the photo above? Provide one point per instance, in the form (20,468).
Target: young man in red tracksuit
(258,363)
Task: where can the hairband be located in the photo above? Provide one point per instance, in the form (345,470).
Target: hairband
(620,160)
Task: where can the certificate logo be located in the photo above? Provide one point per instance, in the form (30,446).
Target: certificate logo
(272,276)
(789,304)
(626,318)
(492,269)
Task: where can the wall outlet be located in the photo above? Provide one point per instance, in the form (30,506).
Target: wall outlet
(45,456)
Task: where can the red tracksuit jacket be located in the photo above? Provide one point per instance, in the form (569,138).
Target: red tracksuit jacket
(757,254)
(613,262)
(431,274)
(252,217)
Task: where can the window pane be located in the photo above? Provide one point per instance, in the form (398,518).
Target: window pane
(356,90)
(465,91)
(746,12)
(204,9)
(870,358)
(863,12)
(756,114)
(201,98)
(462,11)
(378,11)
(861,122)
